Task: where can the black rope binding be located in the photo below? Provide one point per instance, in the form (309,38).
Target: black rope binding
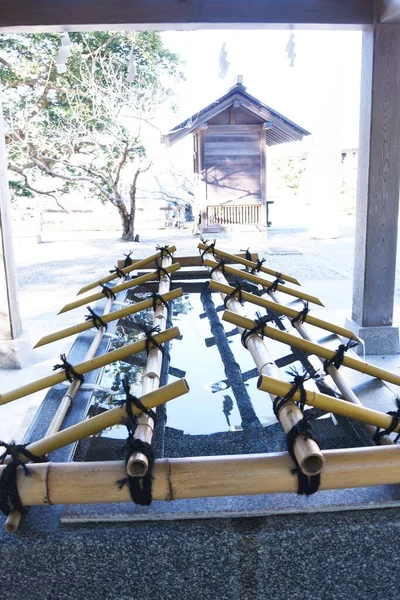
(257,268)
(150,341)
(120,273)
(301,316)
(157,298)
(164,251)
(9,495)
(69,370)
(128,260)
(307,484)
(160,272)
(210,248)
(220,265)
(395,414)
(274,285)
(236,293)
(96,319)
(297,386)
(140,488)
(107,291)
(248,253)
(337,359)
(260,321)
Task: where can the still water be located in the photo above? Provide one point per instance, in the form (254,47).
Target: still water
(210,406)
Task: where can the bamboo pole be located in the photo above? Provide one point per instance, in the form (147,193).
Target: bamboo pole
(205,477)
(85,367)
(107,318)
(307,452)
(137,463)
(337,377)
(196,261)
(264,282)
(313,348)
(118,288)
(137,265)
(111,417)
(285,310)
(328,403)
(249,263)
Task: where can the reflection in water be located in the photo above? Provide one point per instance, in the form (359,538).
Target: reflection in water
(227,407)
(205,409)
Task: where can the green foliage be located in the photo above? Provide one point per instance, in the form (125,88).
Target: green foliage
(84,126)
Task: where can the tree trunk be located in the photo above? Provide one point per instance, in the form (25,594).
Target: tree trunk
(125,220)
(129,219)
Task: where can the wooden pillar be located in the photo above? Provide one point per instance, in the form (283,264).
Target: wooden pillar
(378,191)
(13,346)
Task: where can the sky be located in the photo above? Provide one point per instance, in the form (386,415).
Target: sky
(323,83)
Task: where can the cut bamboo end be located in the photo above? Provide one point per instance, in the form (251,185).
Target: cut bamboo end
(12,522)
(313,465)
(137,467)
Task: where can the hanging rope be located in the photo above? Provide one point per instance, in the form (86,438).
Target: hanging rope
(395,414)
(236,293)
(70,372)
(9,495)
(128,260)
(107,291)
(164,251)
(301,316)
(220,265)
(210,248)
(337,359)
(97,321)
(274,285)
(120,273)
(140,488)
(150,341)
(260,321)
(257,268)
(307,484)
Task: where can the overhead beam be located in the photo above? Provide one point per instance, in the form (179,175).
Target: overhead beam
(54,15)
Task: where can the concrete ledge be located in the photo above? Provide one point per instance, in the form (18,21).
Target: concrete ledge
(15,353)
(377,340)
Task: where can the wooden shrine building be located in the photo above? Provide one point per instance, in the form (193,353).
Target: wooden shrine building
(230,138)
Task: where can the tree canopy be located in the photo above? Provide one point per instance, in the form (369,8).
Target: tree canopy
(85,126)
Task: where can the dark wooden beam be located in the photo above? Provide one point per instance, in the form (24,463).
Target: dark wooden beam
(53,15)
